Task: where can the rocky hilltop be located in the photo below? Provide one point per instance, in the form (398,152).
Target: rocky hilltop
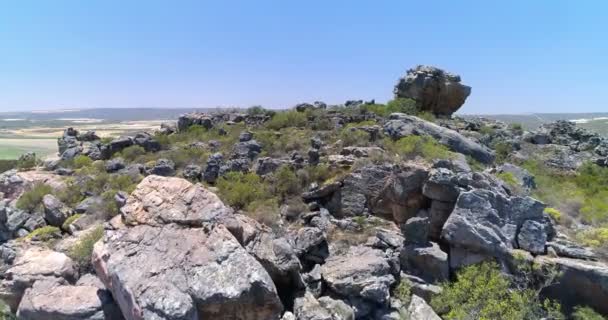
(353,211)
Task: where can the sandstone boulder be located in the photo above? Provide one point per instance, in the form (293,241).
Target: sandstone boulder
(433,89)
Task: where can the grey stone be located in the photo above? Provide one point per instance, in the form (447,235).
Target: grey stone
(427,261)
(420,310)
(55,211)
(192,172)
(115,164)
(532,237)
(416,230)
(163,167)
(401,125)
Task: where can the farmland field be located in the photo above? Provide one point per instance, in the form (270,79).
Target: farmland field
(12,148)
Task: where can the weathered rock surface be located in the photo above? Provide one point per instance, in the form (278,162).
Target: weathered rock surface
(308,307)
(401,125)
(173,260)
(361,275)
(55,211)
(420,310)
(488,223)
(434,90)
(48,299)
(31,265)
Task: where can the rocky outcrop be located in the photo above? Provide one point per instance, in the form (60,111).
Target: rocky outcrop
(55,211)
(200,119)
(433,89)
(420,310)
(401,125)
(174,260)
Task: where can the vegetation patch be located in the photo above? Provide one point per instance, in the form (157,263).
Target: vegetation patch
(413,146)
(81,251)
(68,222)
(32,199)
(483,292)
(44,234)
(286,119)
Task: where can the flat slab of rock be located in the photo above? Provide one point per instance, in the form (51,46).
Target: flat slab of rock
(161,200)
(51,300)
(401,125)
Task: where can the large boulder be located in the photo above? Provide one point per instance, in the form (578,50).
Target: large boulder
(393,192)
(308,307)
(362,276)
(489,223)
(401,125)
(55,211)
(174,259)
(579,282)
(433,89)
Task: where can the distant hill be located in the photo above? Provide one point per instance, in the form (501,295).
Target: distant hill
(106,114)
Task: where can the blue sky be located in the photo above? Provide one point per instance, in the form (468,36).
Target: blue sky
(519,56)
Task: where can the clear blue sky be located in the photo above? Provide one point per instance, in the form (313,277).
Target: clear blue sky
(519,56)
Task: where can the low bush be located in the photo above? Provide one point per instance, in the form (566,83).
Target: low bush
(594,237)
(265,211)
(509,179)
(403,291)
(131,153)
(412,146)
(352,137)
(483,292)
(401,105)
(6,165)
(285,182)
(81,251)
(81,161)
(32,199)
(554,213)
(502,150)
(586,313)
(285,119)
(45,233)
(71,195)
(241,189)
(66,224)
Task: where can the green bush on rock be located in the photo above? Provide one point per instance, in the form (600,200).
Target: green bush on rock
(32,199)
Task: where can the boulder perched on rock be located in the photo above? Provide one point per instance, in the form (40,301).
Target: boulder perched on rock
(433,89)
(401,125)
(174,260)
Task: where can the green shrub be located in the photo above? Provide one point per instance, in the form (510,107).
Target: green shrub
(586,313)
(131,153)
(81,161)
(350,137)
(5,312)
(508,178)
(402,105)
(241,189)
(27,162)
(264,211)
(285,182)
(66,224)
(285,119)
(554,213)
(594,237)
(45,233)
(489,130)
(516,128)
(423,146)
(71,195)
(483,292)
(277,144)
(6,165)
(81,251)
(403,291)
(32,199)
(503,150)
